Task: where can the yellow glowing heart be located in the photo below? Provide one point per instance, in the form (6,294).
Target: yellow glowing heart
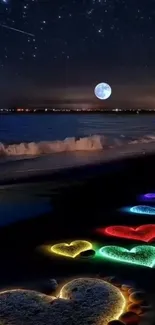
(73,249)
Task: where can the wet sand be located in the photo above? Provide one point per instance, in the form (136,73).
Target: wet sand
(28,166)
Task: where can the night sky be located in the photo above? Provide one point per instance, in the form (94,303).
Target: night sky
(75,44)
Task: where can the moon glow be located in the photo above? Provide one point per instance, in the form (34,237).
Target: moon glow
(103,91)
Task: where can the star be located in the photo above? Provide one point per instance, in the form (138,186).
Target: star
(96,38)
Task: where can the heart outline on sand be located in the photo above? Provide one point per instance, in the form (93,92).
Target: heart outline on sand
(143,209)
(140,255)
(76,298)
(72,249)
(143,233)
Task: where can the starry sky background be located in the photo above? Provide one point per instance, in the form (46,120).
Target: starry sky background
(77,44)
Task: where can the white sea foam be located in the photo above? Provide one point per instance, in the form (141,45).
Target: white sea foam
(68,145)
(92,143)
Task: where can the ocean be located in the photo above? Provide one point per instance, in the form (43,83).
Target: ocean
(55,141)
(26,129)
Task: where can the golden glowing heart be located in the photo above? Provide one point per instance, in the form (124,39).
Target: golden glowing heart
(81,301)
(73,249)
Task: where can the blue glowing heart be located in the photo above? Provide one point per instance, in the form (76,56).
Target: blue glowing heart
(143,209)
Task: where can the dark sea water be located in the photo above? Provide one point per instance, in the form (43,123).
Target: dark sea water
(37,135)
(35,128)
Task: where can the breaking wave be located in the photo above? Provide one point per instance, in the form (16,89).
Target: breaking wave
(92,143)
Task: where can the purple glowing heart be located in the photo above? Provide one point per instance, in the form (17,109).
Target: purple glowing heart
(149,196)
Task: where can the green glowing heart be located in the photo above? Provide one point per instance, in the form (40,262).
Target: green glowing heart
(139,255)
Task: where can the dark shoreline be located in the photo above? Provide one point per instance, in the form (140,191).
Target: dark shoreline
(138,166)
(94,171)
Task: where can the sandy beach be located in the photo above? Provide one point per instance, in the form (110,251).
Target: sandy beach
(79,200)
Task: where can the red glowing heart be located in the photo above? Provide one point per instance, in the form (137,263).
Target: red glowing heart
(143,233)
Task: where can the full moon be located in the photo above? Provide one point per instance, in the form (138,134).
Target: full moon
(103,91)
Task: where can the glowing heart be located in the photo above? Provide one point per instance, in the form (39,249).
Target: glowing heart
(143,209)
(139,255)
(95,300)
(149,196)
(73,249)
(144,233)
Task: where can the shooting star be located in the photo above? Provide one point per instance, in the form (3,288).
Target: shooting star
(17,30)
